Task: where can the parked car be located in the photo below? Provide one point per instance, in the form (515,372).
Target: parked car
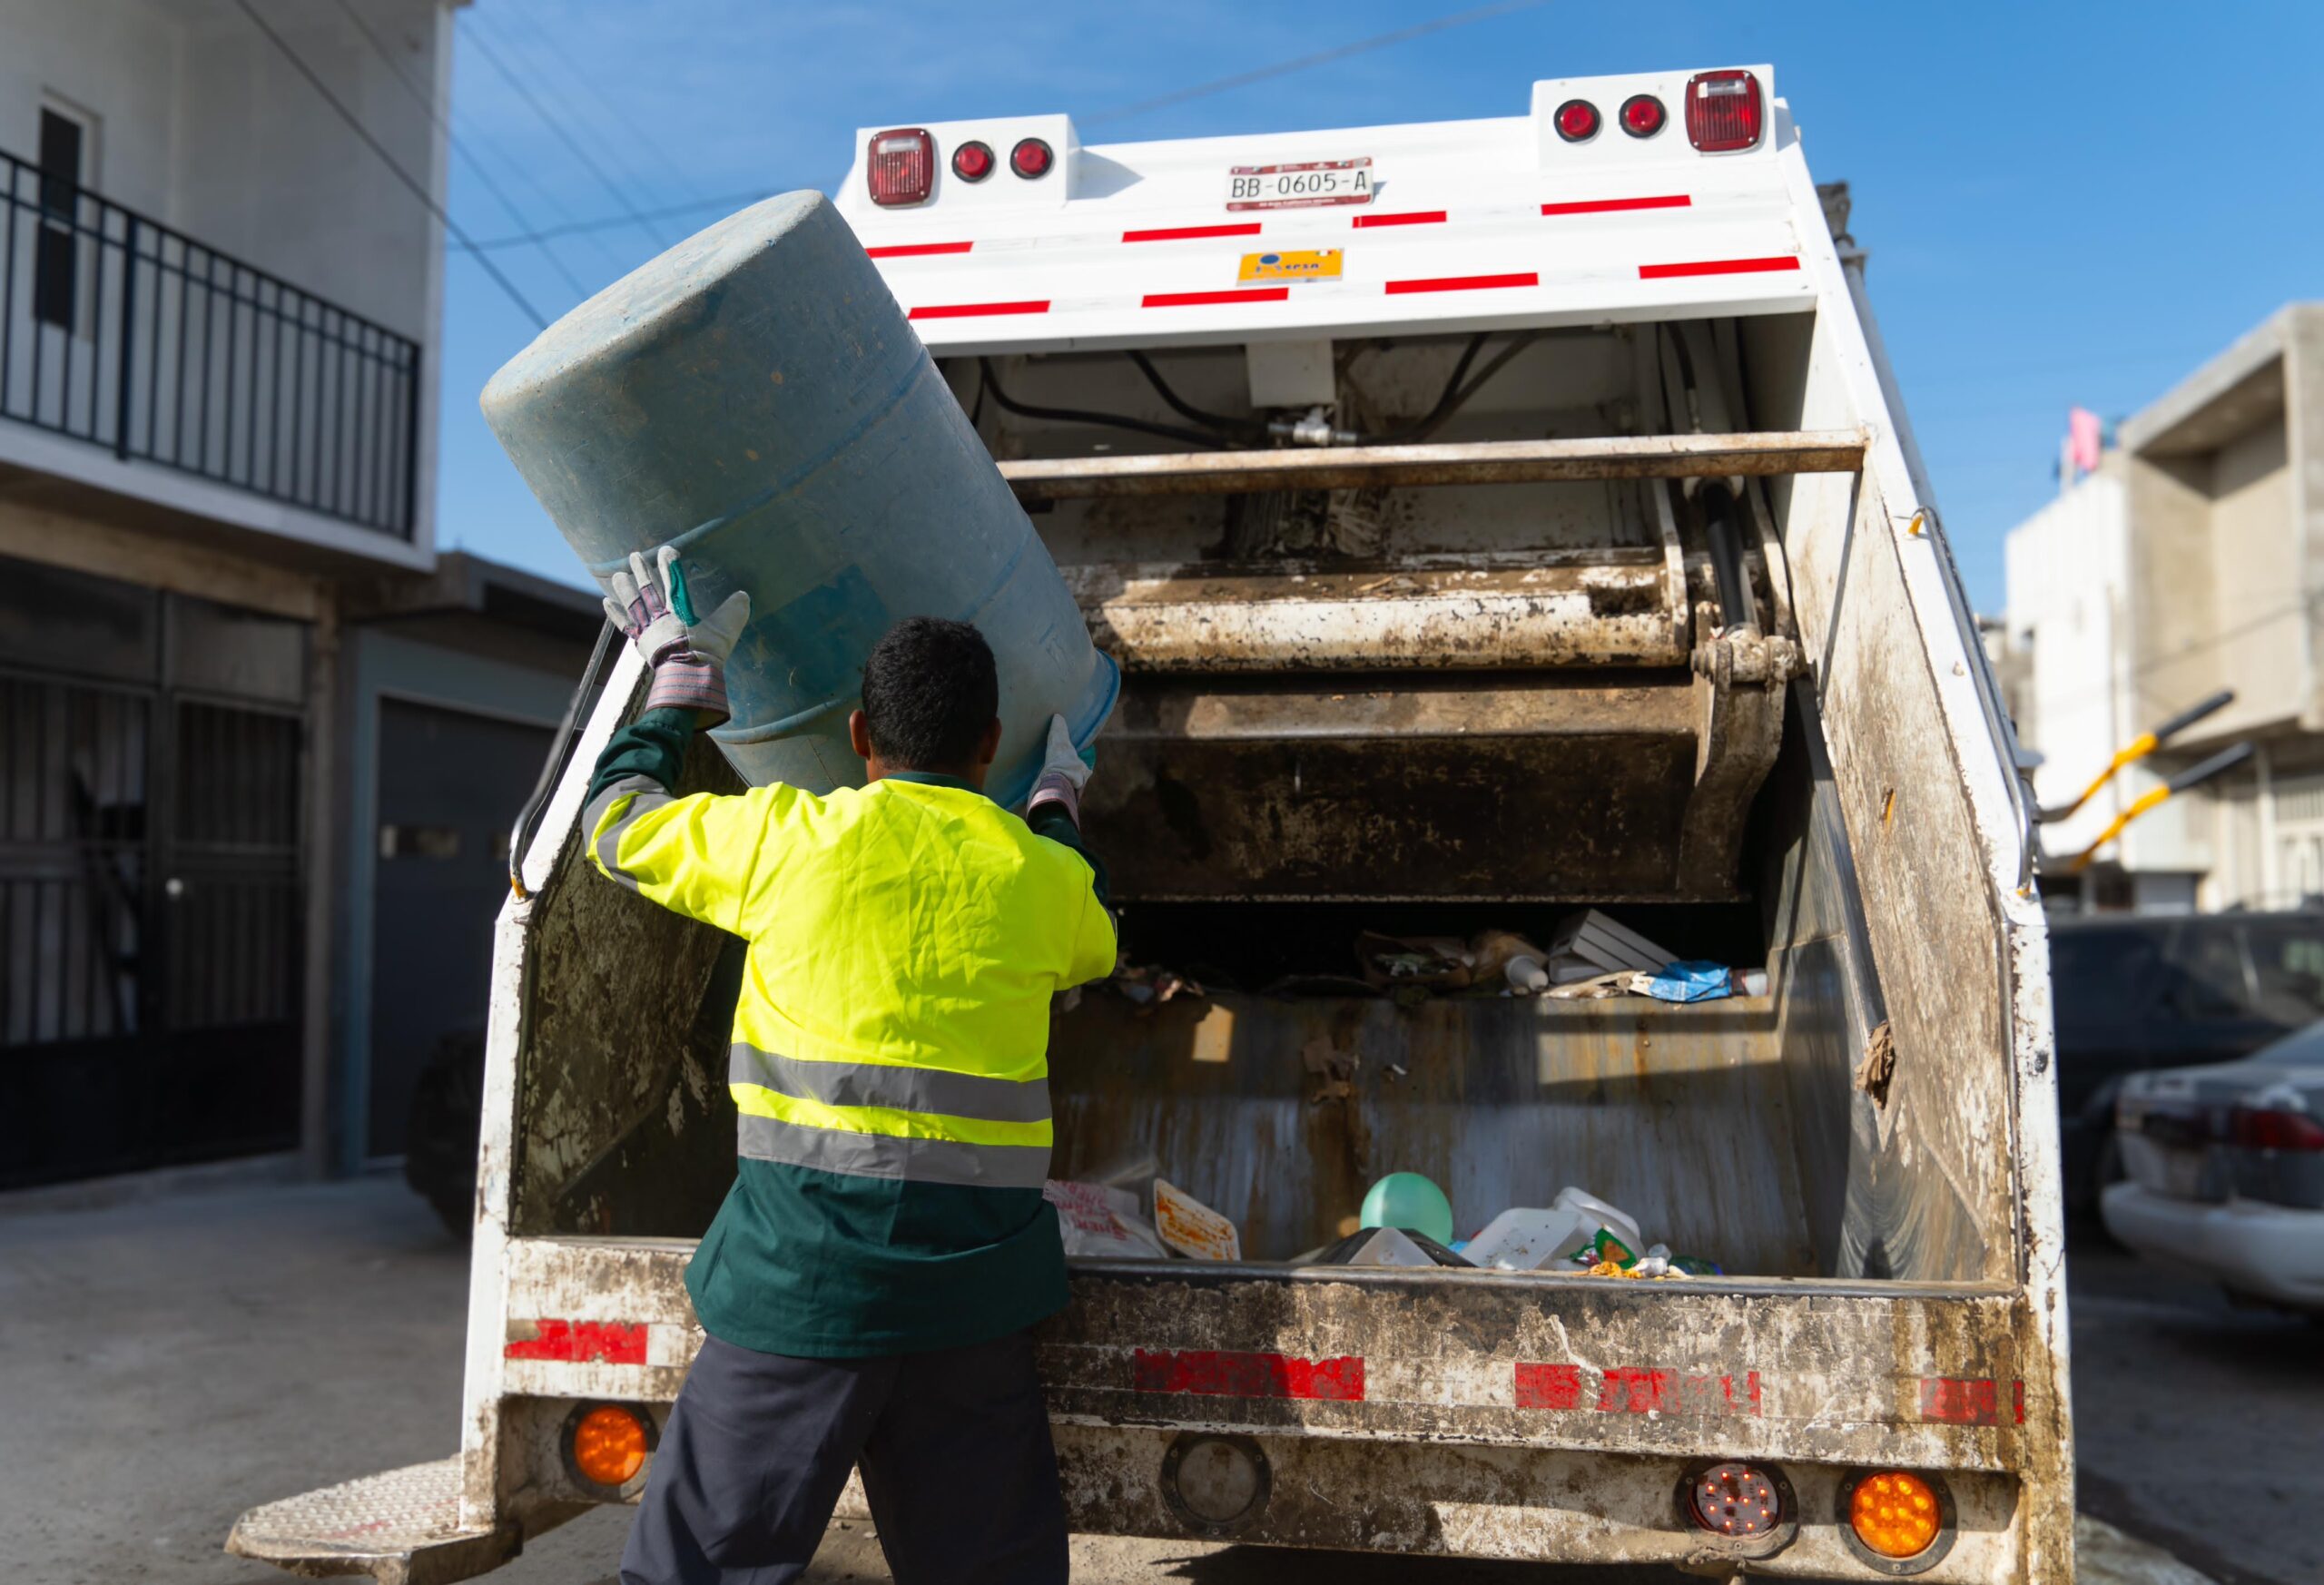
(2136,994)
(2225,1170)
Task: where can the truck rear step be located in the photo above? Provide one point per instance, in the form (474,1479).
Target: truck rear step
(401,1527)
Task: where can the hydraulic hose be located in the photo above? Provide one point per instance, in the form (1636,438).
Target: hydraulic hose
(1007,403)
(1456,394)
(1254,429)
(530,817)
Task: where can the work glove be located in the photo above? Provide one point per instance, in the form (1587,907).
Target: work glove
(1065,770)
(687,655)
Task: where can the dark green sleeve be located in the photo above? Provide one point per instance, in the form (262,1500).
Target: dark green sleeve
(1051,820)
(654,745)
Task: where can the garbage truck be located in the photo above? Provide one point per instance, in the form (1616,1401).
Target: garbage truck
(1491,520)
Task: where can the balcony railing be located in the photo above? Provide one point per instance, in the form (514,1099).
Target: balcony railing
(130,335)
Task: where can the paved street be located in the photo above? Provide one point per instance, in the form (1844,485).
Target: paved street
(171,1362)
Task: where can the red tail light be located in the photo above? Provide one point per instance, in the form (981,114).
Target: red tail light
(1576,120)
(2254,1129)
(1735,1499)
(901,166)
(972,161)
(1723,111)
(1031,159)
(1642,115)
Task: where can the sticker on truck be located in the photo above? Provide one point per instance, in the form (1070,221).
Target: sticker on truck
(1309,186)
(1292,264)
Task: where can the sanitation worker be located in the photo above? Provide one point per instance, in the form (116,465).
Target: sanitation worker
(868,1285)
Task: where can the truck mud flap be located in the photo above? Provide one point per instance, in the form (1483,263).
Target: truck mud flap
(401,1527)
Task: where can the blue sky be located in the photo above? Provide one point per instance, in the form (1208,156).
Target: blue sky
(2063,203)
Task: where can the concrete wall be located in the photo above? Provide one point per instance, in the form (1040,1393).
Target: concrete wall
(2172,602)
(2219,581)
(2255,572)
(2303,335)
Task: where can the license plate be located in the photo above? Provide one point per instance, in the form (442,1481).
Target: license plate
(1312,185)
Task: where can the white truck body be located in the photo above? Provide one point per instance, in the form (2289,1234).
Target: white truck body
(1525,665)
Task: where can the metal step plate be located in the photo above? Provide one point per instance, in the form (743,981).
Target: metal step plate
(401,1527)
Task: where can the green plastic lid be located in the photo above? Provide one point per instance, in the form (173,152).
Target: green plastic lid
(1408,1200)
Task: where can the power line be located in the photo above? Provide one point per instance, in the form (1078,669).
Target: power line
(558,127)
(402,175)
(694,207)
(1321,57)
(2225,636)
(586,125)
(633,215)
(643,140)
(427,102)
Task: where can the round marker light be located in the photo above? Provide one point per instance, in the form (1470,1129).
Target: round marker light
(972,161)
(1642,115)
(1577,121)
(1031,159)
(1895,1514)
(609,1445)
(1734,1500)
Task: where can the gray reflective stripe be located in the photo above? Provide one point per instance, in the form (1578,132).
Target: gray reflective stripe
(885,1155)
(909,1089)
(651,794)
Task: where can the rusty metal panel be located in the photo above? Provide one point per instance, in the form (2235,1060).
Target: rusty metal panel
(1921,1375)
(1750,1368)
(1675,1113)
(1934,1196)
(1546,787)
(1464,463)
(618,1070)
(1528,1505)
(1474,612)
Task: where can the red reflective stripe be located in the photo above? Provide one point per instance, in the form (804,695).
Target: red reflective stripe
(2017,1399)
(1628,1391)
(1248,1375)
(581,1342)
(1430,217)
(1716,267)
(1548,1387)
(1182,233)
(1196,298)
(1462,283)
(916,250)
(961,310)
(1608,205)
(1968,1401)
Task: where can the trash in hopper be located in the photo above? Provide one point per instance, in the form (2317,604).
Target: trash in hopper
(1191,1228)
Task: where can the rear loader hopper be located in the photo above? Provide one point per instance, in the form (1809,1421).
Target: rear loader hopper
(1530,525)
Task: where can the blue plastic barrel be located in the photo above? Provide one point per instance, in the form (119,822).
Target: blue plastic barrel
(755,397)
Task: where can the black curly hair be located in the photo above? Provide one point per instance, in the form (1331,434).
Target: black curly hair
(929,693)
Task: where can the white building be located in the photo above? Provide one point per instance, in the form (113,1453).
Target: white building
(221,606)
(253,295)
(2190,563)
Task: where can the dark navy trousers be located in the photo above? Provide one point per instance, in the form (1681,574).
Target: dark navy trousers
(954,1447)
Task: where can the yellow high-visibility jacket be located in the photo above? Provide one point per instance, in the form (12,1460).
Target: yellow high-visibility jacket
(889,1055)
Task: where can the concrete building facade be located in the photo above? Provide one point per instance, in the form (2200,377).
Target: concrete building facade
(2191,563)
(258,742)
